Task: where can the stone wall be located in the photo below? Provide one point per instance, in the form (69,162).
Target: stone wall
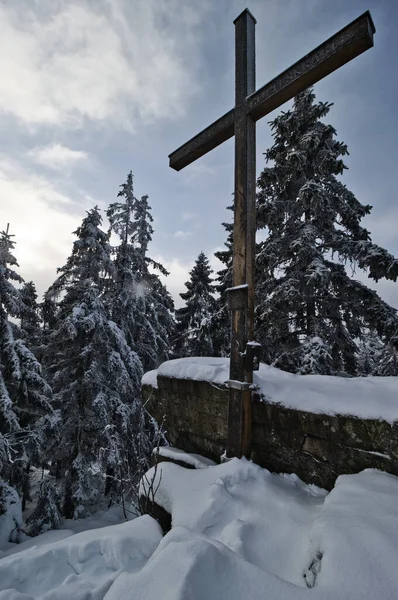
(316,447)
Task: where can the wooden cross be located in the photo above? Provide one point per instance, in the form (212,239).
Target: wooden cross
(250,106)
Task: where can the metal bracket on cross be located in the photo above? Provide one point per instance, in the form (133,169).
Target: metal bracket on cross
(239,385)
(252,356)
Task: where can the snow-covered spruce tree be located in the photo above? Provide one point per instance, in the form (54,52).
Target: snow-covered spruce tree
(310,312)
(96,376)
(48,309)
(221,320)
(30,316)
(140,303)
(25,412)
(10,447)
(369,354)
(48,312)
(47,512)
(194,320)
(387,362)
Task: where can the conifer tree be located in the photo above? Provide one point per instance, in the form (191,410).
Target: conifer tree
(369,355)
(387,364)
(9,363)
(142,233)
(48,311)
(310,311)
(140,303)
(221,320)
(96,376)
(47,513)
(194,320)
(25,412)
(30,317)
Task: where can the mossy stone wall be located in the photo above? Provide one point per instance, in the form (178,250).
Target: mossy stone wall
(318,448)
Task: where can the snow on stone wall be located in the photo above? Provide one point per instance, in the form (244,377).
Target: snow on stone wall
(318,427)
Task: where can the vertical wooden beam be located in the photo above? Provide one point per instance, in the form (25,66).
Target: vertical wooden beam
(239,406)
(250,242)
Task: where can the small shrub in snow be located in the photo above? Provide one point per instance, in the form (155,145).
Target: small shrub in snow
(47,514)
(10,514)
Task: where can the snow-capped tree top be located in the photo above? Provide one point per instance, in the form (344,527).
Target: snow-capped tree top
(9,296)
(90,258)
(120,214)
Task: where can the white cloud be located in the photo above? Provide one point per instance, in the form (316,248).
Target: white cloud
(57,156)
(179,274)
(64,62)
(182,234)
(39,217)
(215,264)
(189,215)
(201,169)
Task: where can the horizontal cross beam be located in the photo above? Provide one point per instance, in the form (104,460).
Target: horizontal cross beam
(215,134)
(339,49)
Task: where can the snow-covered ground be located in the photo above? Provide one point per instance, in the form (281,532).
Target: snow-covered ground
(238,532)
(363,397)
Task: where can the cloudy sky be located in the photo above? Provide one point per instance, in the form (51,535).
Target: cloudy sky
(91,89)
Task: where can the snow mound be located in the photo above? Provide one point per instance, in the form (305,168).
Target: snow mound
(82,566)
(260,516)
(362,397)
(150,378)
(55,535)
(240,531)
(191,566)
(198,368)
(354,539)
